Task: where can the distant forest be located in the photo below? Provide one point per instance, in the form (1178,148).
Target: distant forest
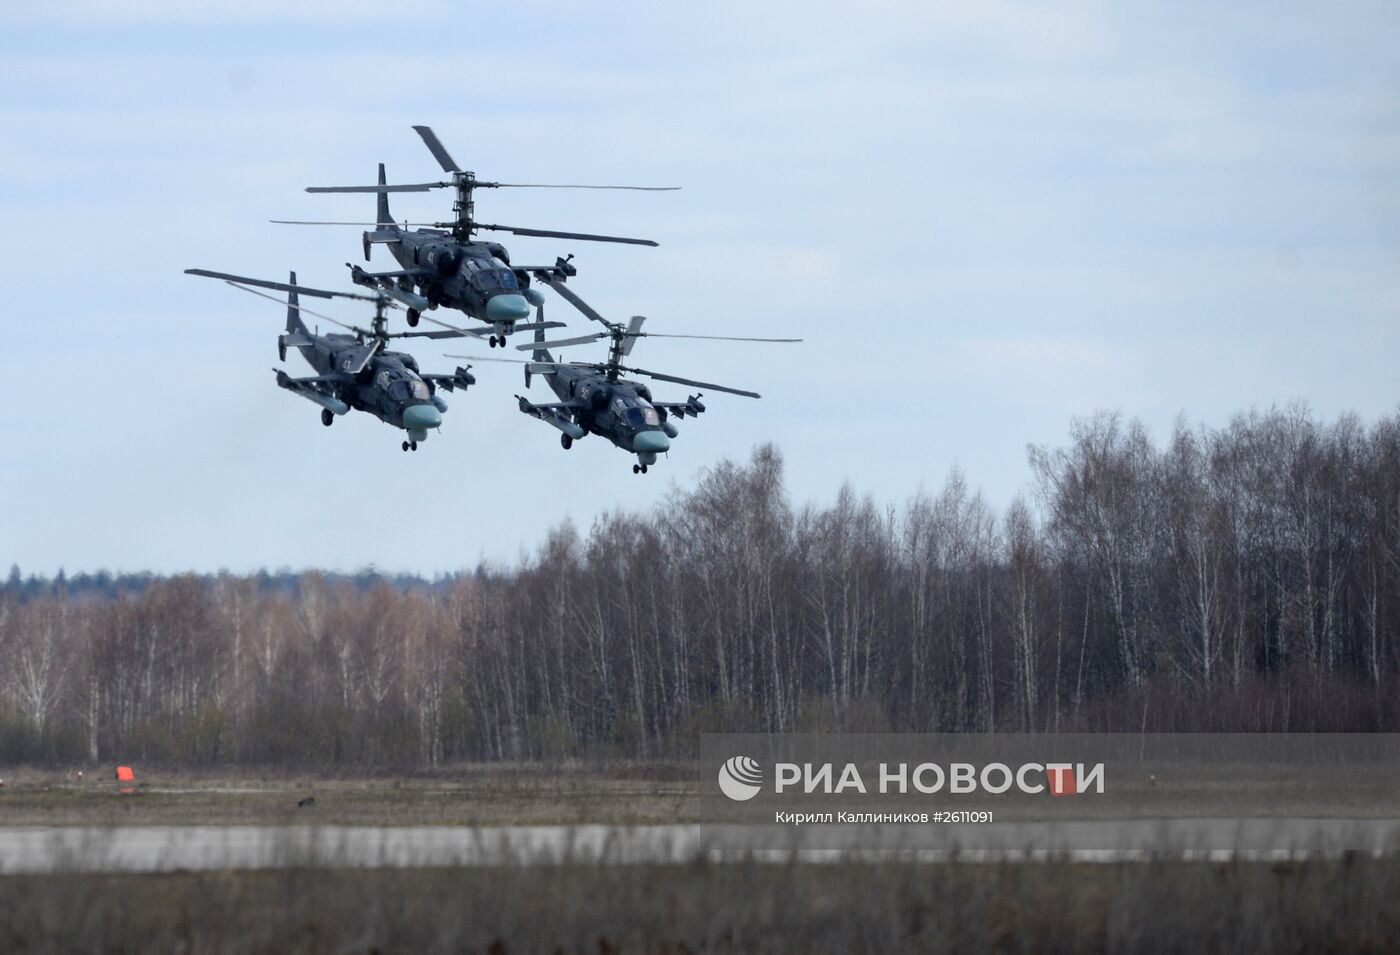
(1245,578)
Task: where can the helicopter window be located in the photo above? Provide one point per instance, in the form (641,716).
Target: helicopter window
(506,278)
(409,389)
(640,417)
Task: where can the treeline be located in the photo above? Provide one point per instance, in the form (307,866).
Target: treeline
(105,584)
(1244,579)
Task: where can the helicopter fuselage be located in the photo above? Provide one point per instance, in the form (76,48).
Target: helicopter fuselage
(473,277)
(388,386)
(619,410)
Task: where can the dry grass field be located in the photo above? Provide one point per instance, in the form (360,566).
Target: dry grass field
(617,792)
(499,794)
(1344,904)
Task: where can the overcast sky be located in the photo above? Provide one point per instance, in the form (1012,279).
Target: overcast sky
(985,218)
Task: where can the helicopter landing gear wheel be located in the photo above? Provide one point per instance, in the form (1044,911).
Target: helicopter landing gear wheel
(413,445)
(636,469)
(405,445)
(493,341)
(566,441)
(644,469)
(413,317)
(327,418)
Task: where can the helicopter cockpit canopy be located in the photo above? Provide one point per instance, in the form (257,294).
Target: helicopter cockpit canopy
(490,275)
(636,412)
(403,387)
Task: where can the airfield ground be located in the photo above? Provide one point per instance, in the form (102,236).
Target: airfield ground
(618,793)
(1330,902)
(527,794)
(1322,905)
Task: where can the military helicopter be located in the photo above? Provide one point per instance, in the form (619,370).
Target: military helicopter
(356,371)
(595,399)
(442,264)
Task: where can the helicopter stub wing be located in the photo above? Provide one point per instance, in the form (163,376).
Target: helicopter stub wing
(563,268)
(313,389)
(461,378)
(397,274)
(380,282)
(692,407)
(553,406)
(550,270)
(557,414)
(285,379)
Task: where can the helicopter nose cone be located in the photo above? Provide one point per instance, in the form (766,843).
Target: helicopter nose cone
(507,308)
(421,417)
(653,442)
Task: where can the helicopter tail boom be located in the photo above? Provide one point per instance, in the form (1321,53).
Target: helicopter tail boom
(377,236)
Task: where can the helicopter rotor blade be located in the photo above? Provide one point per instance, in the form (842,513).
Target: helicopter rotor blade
(526,361)
(436,148)
(556,185)
(512,361)
(551,234)
(690,381)
(465,332)
(484,332)
(569,296)
(445,333)
(531,326)
(562,342)
(718,338)
(281,286)
(633,335)
(404,187)
(361,224)
(634,332)
(300,308)
(355,362)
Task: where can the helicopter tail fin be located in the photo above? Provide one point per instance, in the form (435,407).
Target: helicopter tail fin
(384,218)
(386,230)
(540,353)
(294,322)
